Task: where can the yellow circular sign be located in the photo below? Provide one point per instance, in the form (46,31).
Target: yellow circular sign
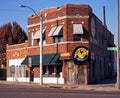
(81,54)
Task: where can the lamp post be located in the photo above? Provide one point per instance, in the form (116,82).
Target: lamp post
(23,6)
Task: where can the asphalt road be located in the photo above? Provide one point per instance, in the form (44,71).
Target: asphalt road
(23,91)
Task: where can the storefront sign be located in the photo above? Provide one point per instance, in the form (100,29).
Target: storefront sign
(81,54)
(12,69)
(66,54)
(30,61)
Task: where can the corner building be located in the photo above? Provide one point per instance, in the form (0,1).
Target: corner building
(75,45)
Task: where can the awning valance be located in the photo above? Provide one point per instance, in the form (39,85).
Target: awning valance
(77,29)
(37,34)
(47,59)
(55,31)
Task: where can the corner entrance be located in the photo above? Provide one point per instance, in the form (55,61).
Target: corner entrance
(81,75)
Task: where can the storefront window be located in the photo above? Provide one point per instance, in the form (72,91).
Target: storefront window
(19,72)
(52,70)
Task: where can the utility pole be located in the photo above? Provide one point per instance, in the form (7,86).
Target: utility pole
(117,44)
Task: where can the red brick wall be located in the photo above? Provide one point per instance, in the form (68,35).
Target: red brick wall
(53,18)
(19,51)
(53,13)
(73,10)
(67,15)
(36,72)
(15,51)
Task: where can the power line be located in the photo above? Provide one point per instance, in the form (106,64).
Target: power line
(9,10)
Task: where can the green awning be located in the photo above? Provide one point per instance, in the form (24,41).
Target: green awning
(47,59)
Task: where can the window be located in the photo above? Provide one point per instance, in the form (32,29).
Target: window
(77,37)
(77,29)
(31,39)
(58,69)
(38,41)
(52,70)
(44,38)
(19,72)
(37,37)
(93,27)
(57,33)
(57,39)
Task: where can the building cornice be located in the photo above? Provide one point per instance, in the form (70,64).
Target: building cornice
(58,18)
(68,42)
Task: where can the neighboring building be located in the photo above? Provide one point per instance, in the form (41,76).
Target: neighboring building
(74,48)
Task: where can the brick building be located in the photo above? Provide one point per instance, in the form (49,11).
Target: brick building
(74,48)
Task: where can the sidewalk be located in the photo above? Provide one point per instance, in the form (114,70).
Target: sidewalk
(102,87)
(106,85)
(97,87)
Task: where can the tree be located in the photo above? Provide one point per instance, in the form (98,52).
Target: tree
(19,36)
(10,33)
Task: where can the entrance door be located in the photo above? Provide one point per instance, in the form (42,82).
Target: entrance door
(70,77)
(70,72)
(31,74)
(81,75)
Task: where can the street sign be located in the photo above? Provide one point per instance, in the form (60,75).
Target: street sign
(12,69)
(30,61)
(111,48)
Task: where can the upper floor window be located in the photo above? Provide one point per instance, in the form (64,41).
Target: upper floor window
(44,37)
(77,37)
(77,31)
(57,39)
(57,33)
(37,36)
(31,39)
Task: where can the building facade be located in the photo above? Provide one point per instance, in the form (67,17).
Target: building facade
(74,48)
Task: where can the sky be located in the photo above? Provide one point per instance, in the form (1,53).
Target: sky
(10,10)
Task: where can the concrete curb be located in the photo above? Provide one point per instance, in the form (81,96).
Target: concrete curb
(105,87)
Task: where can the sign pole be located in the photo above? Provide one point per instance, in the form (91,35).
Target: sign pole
(30,65)
(117,44)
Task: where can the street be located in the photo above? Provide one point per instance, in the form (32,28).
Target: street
(23,91)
